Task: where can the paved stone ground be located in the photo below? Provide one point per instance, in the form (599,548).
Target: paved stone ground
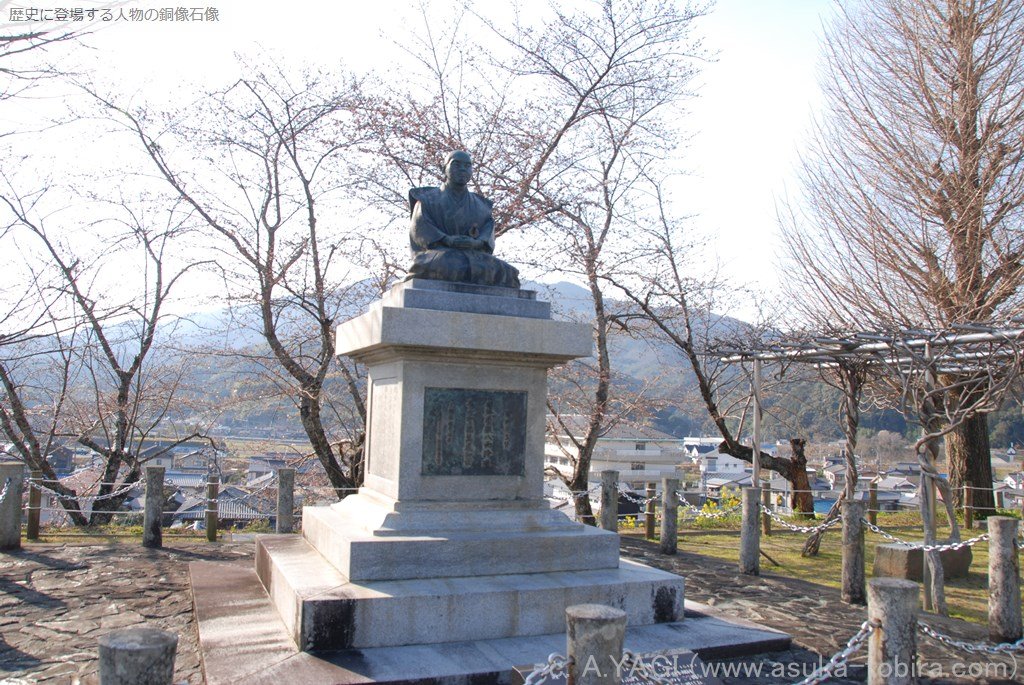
(57,600)
(819,622)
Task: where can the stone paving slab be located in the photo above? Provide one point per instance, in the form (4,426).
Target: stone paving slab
(819,622)
(57,600)
(233,613)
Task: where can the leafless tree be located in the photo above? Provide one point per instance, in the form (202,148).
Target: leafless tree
(676,295)
(23,53)
(268,181)
(614,73)
(913,183)
(86,372)
(562,118)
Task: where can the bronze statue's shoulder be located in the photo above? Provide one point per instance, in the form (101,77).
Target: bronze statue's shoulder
(422,195)
(486,200)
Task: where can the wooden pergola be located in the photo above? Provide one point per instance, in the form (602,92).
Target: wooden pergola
(942,376)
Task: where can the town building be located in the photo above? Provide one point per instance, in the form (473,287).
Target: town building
(639,453)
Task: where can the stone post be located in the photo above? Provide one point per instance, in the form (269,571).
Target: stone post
(12,476)
(1004,616)
(35,501)
(853,553)
(968,507)
(152,530)
(649,518)
(669,515)
(212,488)
(285,500)
(873,503)
(610,500)
(1000,499)
(750,532)
(892,648)
(137,656)
(595,634)
(766,520)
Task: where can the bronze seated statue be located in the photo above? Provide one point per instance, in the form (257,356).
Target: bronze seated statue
(452,232)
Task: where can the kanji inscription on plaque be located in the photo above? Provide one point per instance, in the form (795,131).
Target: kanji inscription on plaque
(468,432)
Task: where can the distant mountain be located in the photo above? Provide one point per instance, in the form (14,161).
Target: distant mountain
(218,329)
(228,360)
(569,301)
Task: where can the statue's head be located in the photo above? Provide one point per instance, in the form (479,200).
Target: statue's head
(458,167)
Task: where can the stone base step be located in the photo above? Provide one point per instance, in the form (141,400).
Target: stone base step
(242,639)
(322,610)
(362,556)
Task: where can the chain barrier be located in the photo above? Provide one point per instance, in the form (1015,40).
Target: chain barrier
(58,481)
(700,513)
(971,647)
(634,498)
(318,489)
(140,512)
(272,482)
(246,498)
(556,664)
(6,490)
(927,548)
(839,659)
(81,499)
(799,529)
(575,494)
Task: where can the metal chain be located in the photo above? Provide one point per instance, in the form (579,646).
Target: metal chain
(7,489)
(840,658)
(972,647)
(575,494)
(556,663)
(247,498)
(642,670)
(84,498)
(799,529)
(927,548)
(700,513)
(634,499)
(695,509)
(714,514)
(272,482)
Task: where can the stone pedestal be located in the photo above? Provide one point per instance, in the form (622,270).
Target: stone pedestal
(896,560)
(450,538)
(12,476)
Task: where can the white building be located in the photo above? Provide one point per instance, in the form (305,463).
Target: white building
(639,453)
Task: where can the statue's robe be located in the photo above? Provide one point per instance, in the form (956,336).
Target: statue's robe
(438,212)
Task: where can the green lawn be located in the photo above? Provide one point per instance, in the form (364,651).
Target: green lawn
(967,597)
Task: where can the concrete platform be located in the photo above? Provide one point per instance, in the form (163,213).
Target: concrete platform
(242,639)
(422,293)
(375,545)
(323,610)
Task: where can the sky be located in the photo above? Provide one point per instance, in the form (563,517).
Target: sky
(752,113)
(752,109)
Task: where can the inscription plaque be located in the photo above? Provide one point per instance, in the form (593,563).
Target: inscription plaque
(474,432)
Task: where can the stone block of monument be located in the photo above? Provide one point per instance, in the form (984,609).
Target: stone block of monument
(450,538)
